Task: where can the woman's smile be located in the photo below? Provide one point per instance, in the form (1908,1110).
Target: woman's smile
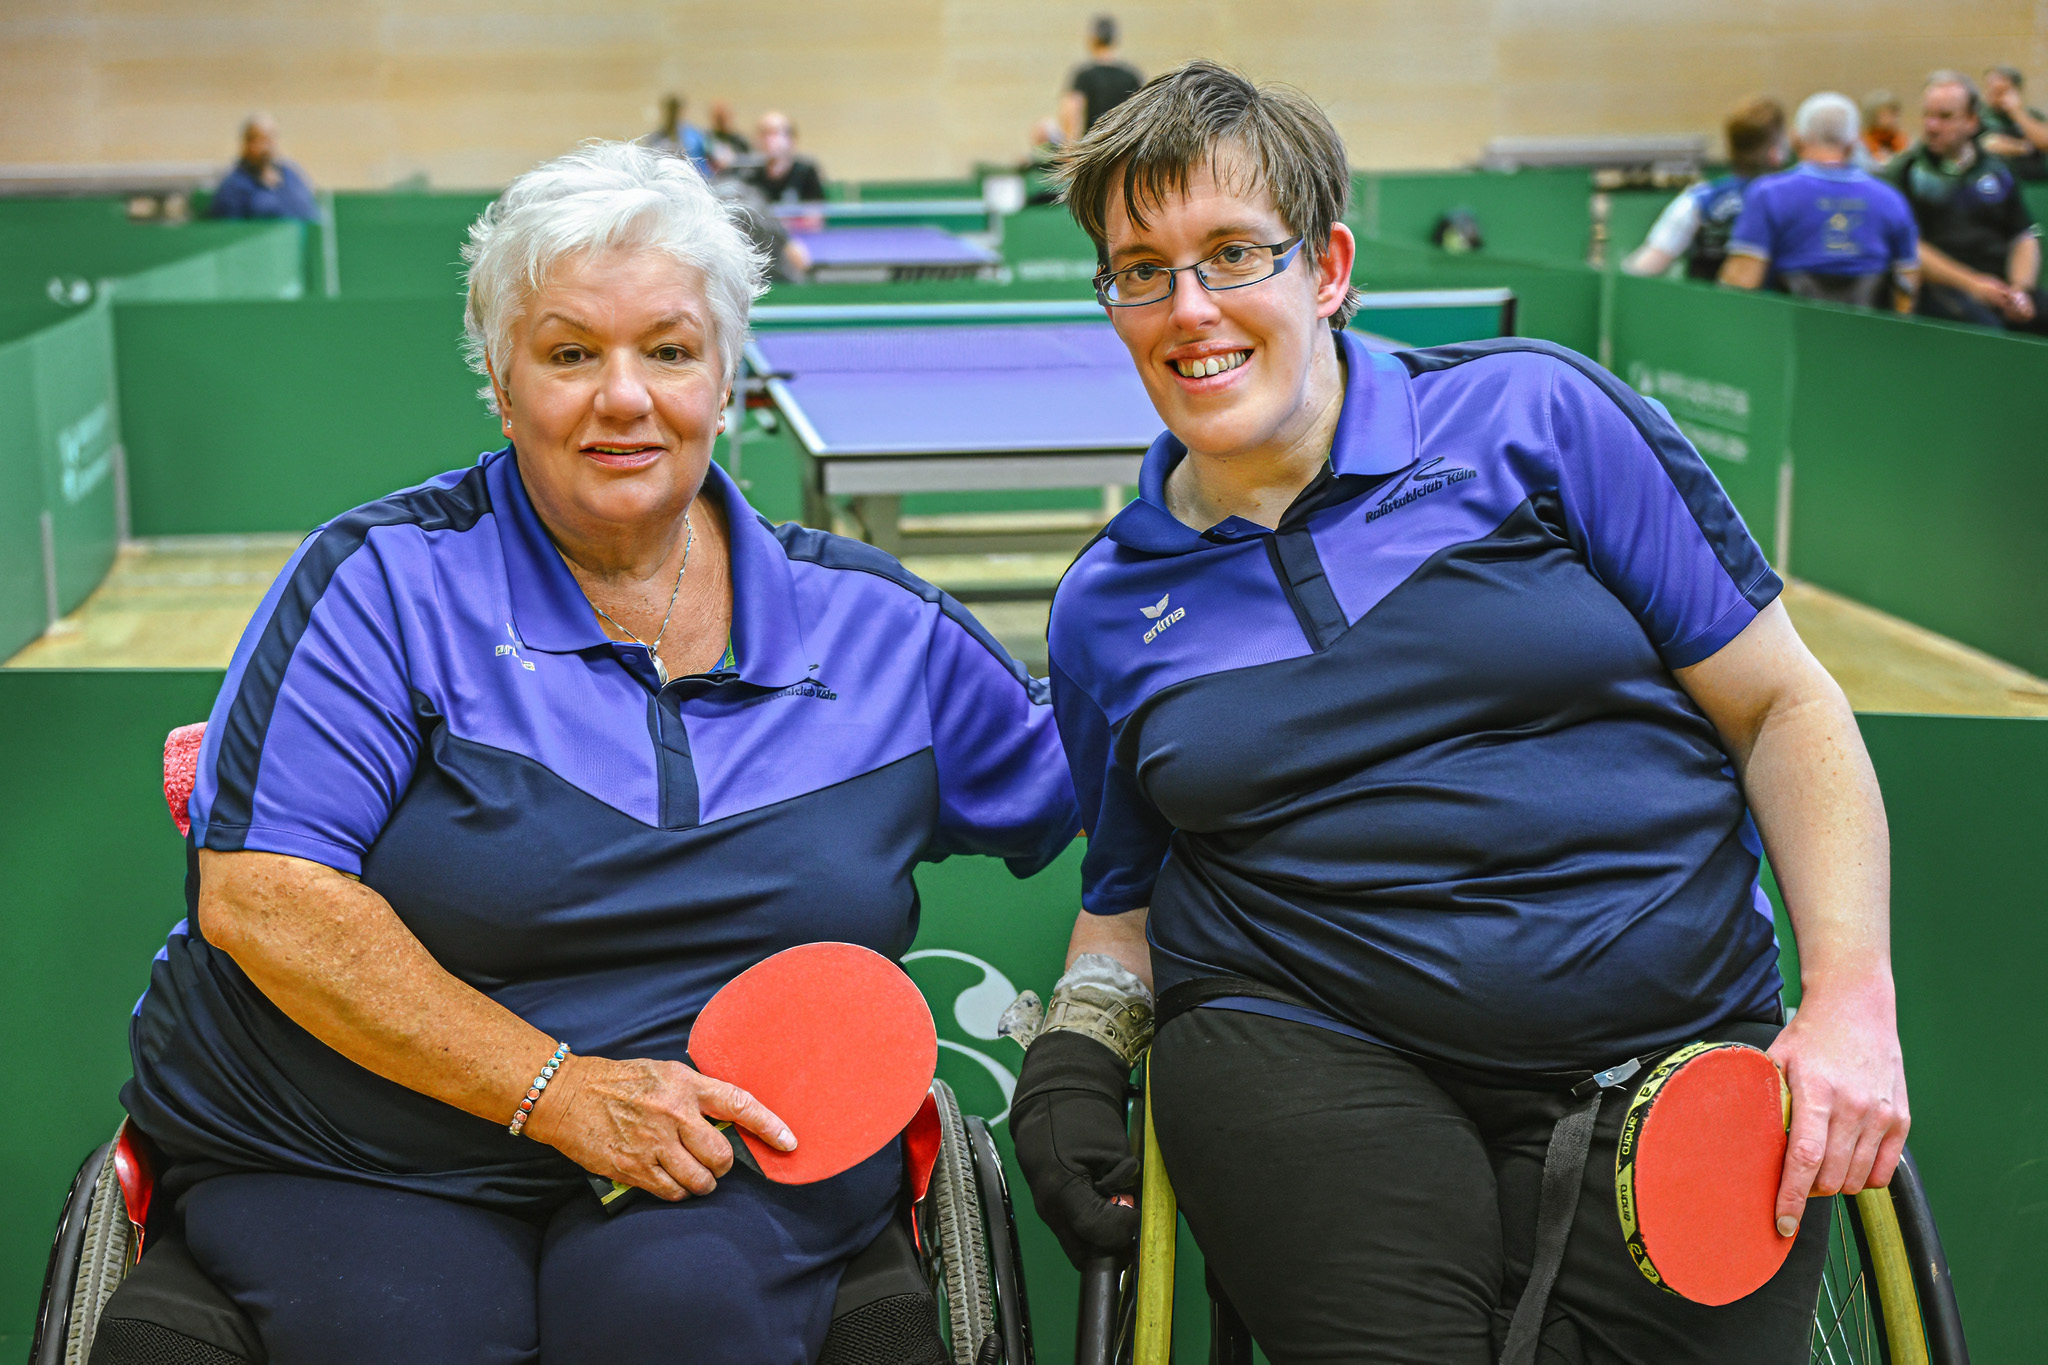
(623,456)
(1210,366)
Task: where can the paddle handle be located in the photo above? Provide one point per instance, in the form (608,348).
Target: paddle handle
(611,1194)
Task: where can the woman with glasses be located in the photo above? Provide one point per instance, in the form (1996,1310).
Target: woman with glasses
(1429,712)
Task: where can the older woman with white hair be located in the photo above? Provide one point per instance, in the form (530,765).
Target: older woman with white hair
(510,773)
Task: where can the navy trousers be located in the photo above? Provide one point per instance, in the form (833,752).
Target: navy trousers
(337,1273)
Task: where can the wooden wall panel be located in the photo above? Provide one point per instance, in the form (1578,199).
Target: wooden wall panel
(371,92)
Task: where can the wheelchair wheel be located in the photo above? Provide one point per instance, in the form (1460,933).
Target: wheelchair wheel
(1885,1294)
(966,1283)
(89,1258)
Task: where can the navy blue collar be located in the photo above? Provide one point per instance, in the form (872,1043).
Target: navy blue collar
(552,614)
(1376,435)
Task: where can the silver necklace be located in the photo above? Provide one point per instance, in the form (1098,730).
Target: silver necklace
(654,650)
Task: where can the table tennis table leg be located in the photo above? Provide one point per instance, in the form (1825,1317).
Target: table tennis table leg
(817,507)
(881,520)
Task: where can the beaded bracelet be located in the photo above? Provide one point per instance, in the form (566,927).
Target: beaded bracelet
(540,1083)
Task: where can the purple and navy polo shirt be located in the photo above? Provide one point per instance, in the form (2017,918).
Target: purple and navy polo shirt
(425,700)
(1826,220)
(1417,756)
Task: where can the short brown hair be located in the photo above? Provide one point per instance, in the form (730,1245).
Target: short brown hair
(1753,126)
(1146,147)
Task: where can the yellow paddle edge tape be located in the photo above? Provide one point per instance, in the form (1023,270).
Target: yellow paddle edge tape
(1631,1134)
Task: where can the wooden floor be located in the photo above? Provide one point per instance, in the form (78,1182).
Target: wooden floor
(182,603)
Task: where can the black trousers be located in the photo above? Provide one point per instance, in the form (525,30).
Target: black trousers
(1357,1207)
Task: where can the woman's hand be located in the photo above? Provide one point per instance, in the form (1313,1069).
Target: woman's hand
(1840,1054)
(648,1124)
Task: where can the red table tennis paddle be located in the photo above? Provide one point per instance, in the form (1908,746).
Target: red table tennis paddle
(1697,1170)
(181,771)
(835,1039)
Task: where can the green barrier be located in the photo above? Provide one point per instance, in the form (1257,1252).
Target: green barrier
(95,877)
(1538,214)
(1630,215)
(92,240)
(1559,303)
(267,262)
(60,425)
(246,417)
(1919,476)
(97,872)
(403,245)
(1723,364)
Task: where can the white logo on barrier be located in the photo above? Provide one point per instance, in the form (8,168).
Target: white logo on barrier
(976,1010)
(1714,416)
(85,453)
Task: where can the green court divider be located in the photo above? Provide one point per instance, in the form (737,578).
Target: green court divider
(60,461)
(245,417)
(398,245)
(96,875)
(1538,214)
(1919,475)
(266,263)
(92,240)
(1557,302)
(1723,364)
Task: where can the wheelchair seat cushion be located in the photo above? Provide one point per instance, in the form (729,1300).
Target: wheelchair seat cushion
(167,1312)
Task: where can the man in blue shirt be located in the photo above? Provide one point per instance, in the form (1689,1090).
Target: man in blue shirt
(1824,229)
(1694,227)
(260,185)
(679,138)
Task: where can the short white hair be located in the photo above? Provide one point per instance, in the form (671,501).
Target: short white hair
(1828,119)
(605,196)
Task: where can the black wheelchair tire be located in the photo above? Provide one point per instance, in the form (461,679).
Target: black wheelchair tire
(90,1255)
(966,1280)
(1006,1257)
(1886,1297)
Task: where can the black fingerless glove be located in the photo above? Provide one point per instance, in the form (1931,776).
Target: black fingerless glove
(1068,1119)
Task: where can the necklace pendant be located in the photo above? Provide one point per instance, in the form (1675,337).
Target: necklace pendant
(660,668)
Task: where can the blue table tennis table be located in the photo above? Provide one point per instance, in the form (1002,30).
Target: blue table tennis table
(886,400)
(891,253)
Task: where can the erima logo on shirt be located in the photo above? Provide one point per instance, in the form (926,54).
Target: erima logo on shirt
(513,649)
(1157,612)
(1419,483)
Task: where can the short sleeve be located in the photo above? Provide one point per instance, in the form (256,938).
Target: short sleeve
(1128,839)
(1651,519)
(1676,226)
(1753,231)
(313,738)
(1905,236)
(1004,789)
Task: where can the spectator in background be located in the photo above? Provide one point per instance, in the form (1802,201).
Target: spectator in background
(1100,84)
(260,185)
(783,177)
(1696,224)
(2012,131)
(725,141)
(1978,243)
(679,138)
(1883,136)
(1825,229)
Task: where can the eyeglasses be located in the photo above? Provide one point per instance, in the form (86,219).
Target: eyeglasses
(1233,267)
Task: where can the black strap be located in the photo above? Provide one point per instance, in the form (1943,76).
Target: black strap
(1564,1168)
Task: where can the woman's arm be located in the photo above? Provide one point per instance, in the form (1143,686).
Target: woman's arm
(1802,764)
(333,955)
(1116,936)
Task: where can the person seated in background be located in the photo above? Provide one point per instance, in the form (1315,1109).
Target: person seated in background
(725,142)
(1825,229)
(789,261)
(1098,85)
(261,185)
(782,176)
(530,755)
(1883,135)
(1979,246)
(678,137)
(2011,130)
(1696,224)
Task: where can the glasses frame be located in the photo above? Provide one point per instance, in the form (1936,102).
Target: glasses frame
(1284,253)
